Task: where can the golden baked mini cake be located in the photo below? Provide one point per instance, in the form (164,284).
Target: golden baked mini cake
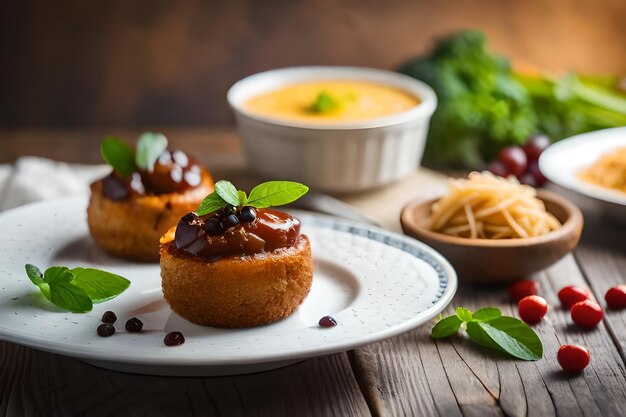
(147,192)
(235,262)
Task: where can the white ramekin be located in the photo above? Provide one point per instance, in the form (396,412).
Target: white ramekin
(338,157)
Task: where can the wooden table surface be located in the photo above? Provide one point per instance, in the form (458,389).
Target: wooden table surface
(409,375)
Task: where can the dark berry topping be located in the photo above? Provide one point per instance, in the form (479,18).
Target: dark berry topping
(214,226)
(174,339)
(225,211)
(115,188)
(328,321)
(188,230)
(109,317)
(134,325)
(247,214)
(231,220)
(105,330)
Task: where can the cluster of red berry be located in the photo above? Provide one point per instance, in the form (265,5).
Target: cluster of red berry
(585,313)
(522,161)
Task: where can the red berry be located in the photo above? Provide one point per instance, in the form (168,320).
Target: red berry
(498,168)
(534,171)
(572,294)
(523,288)
(586,313)
(535,145)
(514,158)
(616,297)
(573,358)
(532,309)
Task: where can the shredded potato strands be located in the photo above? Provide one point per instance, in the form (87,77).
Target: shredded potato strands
(609,171)
(488,207)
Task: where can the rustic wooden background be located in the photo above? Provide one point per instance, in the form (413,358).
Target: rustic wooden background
(157,62)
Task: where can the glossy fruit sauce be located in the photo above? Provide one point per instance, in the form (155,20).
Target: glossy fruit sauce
(173,172)
(265,231)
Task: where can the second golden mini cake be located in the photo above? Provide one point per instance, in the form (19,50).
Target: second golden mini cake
(237,266)
(131,208)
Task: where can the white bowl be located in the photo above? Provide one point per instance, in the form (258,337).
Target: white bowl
(337,157)
(562,162)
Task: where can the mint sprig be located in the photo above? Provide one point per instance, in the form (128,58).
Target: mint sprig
(487,327)
(267,194)
(76,290)
(126,160)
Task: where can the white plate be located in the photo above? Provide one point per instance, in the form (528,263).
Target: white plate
(562,162)
(376,283)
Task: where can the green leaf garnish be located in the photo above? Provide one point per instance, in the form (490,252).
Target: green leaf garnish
(149,147)
(267,194)
(487,327)
(324,103)
(119,154)
(211,203)
(228,192)
(99,285)
(276,193)
(446,327)
(76,290)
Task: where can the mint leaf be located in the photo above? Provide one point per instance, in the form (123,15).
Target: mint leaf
(464,314)
(211,203)
(515,337)
(228,192)
(276,193)
(486,314)
(119,154)
(243,198)
(149,147)
(478,335)
(34,274)
(446,327)
(99,285)
(69,297)
(324,103)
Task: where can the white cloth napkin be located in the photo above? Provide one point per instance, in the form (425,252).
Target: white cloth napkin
(33,179)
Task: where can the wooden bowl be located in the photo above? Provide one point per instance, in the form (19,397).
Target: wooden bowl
(492,261)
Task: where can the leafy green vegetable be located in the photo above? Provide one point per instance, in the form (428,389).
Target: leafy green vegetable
(149,147)
(488,328)
(325,103)
(267,194)
(483,105)
(76,290)
(119,154)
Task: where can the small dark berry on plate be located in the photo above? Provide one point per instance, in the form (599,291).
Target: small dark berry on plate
(328,321)
(231,220)
(134,325)
(105,330)
(247,214)
(109,317)
(214,226)
(225,211)
(114,188)
(174,339)
(616,297)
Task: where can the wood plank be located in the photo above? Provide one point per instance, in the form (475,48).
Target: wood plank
(478,383)
(603,261)
(35,383)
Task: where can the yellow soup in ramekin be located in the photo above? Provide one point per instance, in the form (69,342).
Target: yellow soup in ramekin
(332,101)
